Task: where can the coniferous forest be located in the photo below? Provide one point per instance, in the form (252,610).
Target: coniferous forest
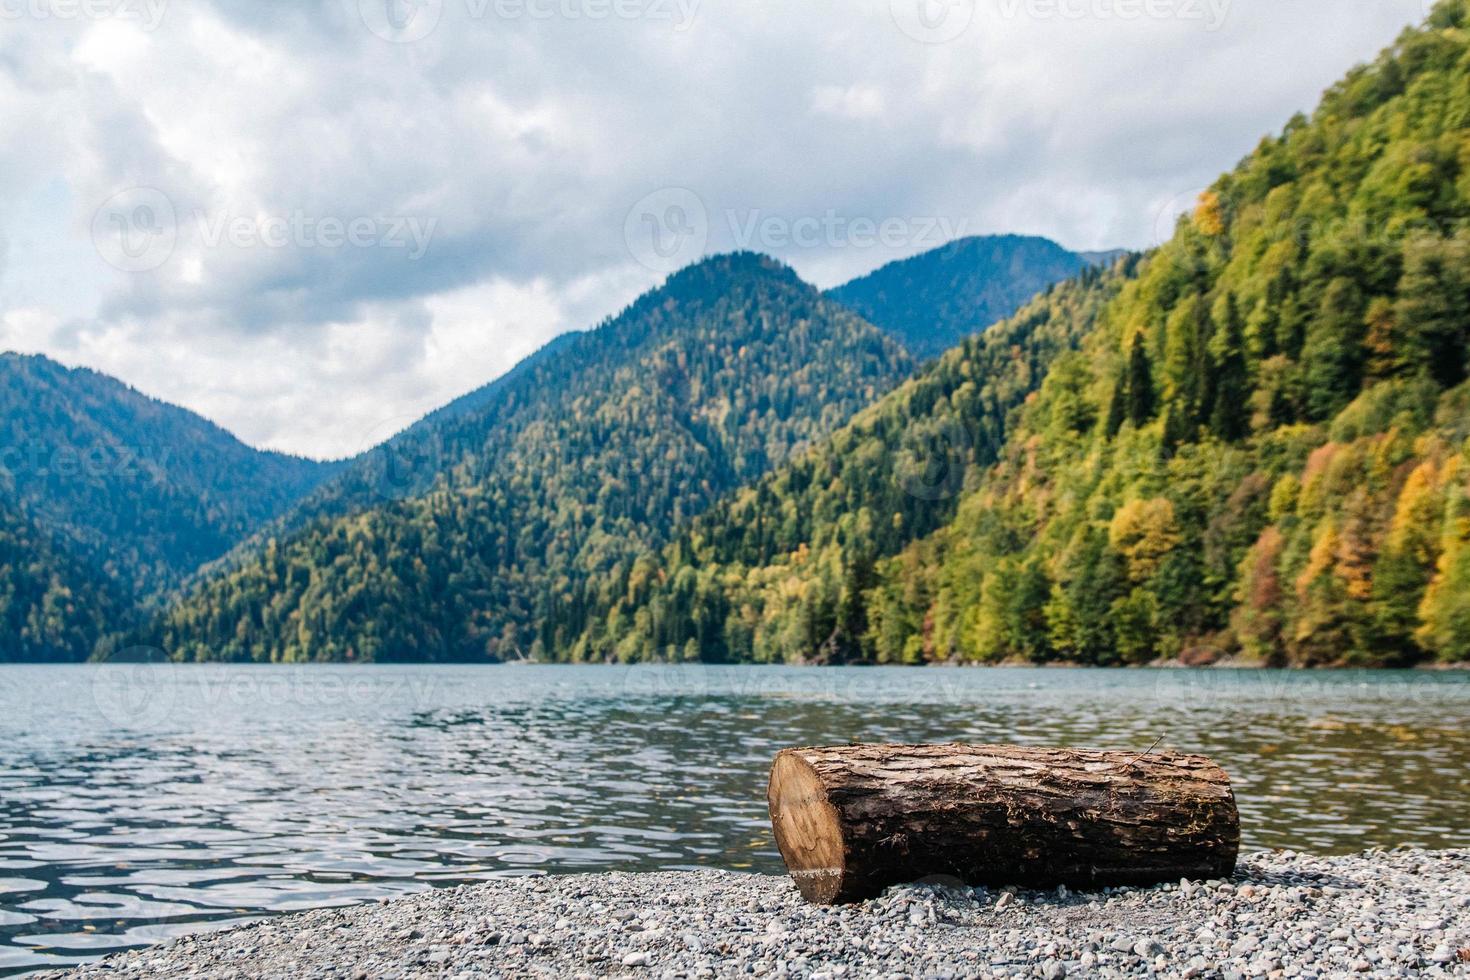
(51,607)
(1260,448)
(575,465)
(1252,442)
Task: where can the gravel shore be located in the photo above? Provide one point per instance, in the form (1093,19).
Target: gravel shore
(1398,913)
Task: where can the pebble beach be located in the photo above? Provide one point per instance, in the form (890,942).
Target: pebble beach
(1388,914)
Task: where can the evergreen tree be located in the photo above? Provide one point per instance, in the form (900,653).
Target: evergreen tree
(1333,353)
(1117,408)
(1141,397)
(1433,309)
(1229,417)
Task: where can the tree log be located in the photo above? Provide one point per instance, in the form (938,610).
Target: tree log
(850,821)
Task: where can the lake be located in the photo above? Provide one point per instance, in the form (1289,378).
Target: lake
(140,802)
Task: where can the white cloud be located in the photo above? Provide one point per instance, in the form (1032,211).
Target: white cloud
(525,138)
(851,102)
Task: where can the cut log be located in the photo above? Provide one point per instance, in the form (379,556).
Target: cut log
(852,820)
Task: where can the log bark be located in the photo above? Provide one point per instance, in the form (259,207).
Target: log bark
(850,821)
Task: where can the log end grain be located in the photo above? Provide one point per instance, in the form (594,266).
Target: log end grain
(807,828)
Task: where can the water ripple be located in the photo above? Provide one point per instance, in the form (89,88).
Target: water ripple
(138,803)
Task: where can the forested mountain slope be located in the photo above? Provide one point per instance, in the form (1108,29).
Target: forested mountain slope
(52,606)
(778,570)
(408,463)
(933,301)
(928,303)
(1263,449)
(1260,449)
(579,462)
(143,491)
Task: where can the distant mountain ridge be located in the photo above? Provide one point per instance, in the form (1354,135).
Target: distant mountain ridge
(933,301)
(136,499)
(580,460)
(141,490)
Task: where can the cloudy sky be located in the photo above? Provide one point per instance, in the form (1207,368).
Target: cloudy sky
(314,220)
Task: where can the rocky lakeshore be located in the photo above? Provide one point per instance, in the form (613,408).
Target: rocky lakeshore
(1390,914)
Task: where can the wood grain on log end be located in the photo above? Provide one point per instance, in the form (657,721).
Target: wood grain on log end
(808,830)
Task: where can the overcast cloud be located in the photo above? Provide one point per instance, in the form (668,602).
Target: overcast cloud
(314,220)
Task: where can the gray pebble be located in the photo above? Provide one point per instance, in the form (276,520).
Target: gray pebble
(1385,914)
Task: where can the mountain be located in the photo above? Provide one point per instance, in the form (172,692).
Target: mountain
(408,464)
(1261,448)
(772,571)
(577,462)
(1105,257)
(52,607)
(967,284)
(933,301)
(141,491)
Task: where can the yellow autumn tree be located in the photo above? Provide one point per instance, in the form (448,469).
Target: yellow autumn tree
(1446,608)
(1144,532)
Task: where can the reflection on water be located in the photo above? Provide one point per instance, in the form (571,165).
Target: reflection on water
(138,802)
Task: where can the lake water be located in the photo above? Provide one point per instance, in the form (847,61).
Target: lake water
(140,802)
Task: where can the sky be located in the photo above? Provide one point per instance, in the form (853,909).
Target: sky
(312,221)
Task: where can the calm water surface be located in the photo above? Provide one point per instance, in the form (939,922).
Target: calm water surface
(140,802)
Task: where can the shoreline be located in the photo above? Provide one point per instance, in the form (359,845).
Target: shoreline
(1284,914)
(1225,666)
